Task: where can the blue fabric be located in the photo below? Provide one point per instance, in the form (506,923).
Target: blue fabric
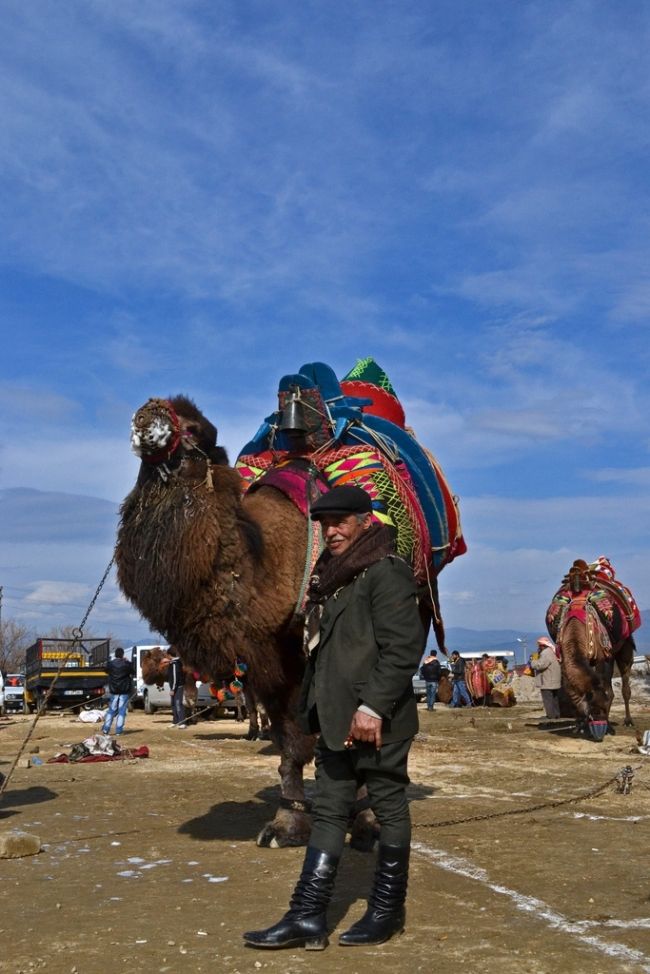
(116,709)
(178,707)
(352,426)
(460,692)
(432,690)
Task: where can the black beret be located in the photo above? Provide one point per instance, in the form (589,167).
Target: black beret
(342,500)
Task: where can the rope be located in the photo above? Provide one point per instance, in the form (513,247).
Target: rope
(598,790)
(78,636)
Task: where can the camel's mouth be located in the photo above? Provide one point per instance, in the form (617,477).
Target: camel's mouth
(152,438)
(155,431)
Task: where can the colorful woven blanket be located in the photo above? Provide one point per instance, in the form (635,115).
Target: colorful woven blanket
(345,438)
(592,594)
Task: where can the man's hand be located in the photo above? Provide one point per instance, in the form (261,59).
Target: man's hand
(365,728)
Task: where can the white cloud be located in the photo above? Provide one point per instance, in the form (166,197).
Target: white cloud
(57,593)
(638,476)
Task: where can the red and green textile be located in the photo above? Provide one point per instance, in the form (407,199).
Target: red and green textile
(389,485)
(362,439)
(606,596)
(367,380)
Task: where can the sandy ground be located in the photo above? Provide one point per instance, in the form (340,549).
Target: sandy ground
(151,865)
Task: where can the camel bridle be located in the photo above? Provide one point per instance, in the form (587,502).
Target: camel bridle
(160,416)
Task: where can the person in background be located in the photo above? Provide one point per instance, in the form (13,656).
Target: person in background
(176,679)
(460,691)
(430,673)
(548,676)
(480,683)
(120,686)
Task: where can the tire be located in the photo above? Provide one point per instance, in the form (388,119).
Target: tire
(148,706)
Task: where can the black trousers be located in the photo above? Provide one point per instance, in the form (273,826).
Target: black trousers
(339,774)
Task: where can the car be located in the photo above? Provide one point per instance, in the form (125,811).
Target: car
(14,692)
(156,698)
(419,687)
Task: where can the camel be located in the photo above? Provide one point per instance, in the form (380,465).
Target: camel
(154,671)
(154,663)
(219,576)
(590,619)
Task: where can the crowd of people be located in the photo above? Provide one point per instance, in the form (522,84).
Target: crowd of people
(472,681)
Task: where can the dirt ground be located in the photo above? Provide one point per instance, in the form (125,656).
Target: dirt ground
(151,865)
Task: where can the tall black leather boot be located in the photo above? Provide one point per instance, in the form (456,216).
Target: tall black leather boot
(385,915)
(305,923)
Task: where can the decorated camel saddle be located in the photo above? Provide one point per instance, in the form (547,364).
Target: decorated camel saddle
(594,595)
(327,433)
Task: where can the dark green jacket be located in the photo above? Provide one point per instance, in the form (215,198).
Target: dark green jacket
(371,641)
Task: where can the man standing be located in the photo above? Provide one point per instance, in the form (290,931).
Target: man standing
(430,673)
(176,679)
(460,691)
(548,676)
(120,684)
(364,638)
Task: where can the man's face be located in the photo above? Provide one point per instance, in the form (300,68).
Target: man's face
(340,531)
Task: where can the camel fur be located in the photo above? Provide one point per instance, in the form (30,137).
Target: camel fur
(219,577)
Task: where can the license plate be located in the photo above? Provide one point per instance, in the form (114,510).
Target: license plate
(73,692)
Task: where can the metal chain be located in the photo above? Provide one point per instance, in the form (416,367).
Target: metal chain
(90,608)
(78,636)
(521,811)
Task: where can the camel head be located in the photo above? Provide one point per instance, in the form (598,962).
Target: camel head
(174,432)
(154,663)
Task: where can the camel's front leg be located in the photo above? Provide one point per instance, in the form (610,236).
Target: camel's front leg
(253,723)
(292,823)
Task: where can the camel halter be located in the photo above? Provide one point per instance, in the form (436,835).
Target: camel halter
(146,416)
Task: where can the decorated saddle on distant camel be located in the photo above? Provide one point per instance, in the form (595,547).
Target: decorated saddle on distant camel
(594,595)
(326,433)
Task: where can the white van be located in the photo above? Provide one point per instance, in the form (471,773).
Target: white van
(149,696)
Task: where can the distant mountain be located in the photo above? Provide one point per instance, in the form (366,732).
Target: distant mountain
(491,641)
(499,640)
(52,517)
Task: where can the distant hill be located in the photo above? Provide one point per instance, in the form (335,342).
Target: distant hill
(491,640)
(498,640)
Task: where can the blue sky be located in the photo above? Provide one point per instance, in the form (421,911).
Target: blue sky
(199,197)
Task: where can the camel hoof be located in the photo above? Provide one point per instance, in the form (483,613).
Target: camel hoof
(362,841)
(269,838)
(251,736)
(287,830)
(364,832)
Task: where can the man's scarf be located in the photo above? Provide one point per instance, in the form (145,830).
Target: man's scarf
(333,572)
